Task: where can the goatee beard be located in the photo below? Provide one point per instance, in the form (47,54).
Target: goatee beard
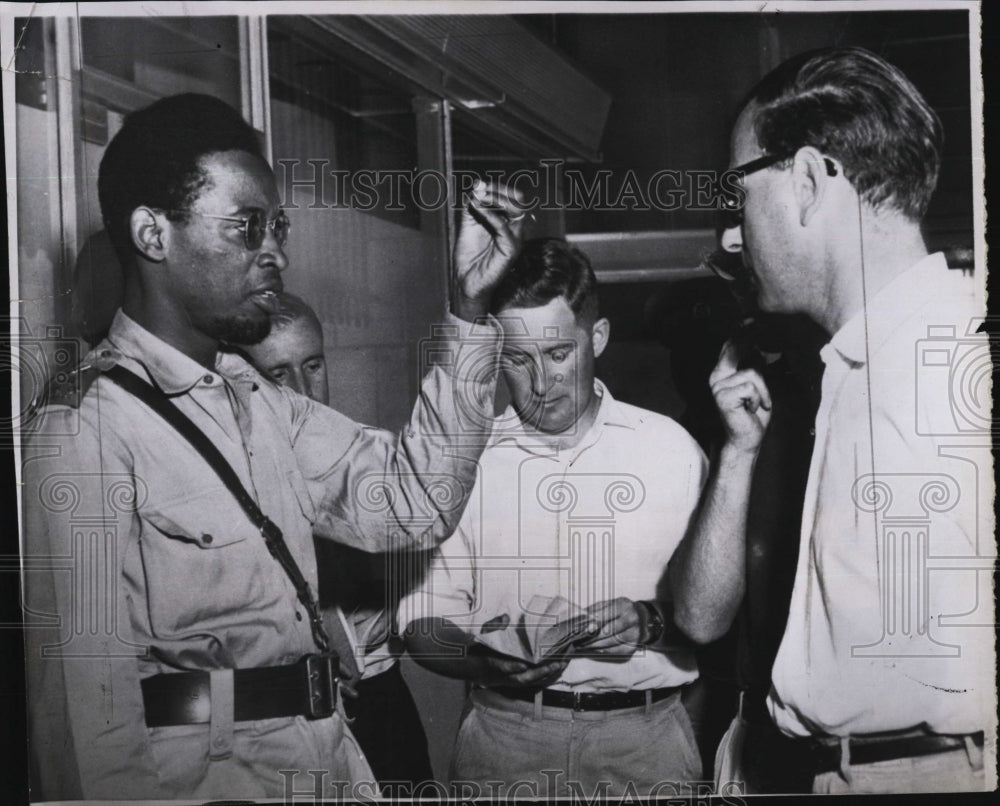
(241,329)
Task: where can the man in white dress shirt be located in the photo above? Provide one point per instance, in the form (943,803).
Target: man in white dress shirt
(884,668)
(583,497)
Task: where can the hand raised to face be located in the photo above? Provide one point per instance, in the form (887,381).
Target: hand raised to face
(742,399)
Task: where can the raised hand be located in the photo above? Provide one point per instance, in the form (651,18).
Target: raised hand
(489,236)
(742,399)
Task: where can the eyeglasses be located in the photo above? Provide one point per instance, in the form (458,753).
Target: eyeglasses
(732,201)
(255,226)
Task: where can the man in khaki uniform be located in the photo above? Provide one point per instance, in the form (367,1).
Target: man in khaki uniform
(174,664)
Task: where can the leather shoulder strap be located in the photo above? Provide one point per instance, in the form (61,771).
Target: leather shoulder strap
(272,535)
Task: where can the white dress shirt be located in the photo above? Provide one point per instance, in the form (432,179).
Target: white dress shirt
(598,521)
(892,532)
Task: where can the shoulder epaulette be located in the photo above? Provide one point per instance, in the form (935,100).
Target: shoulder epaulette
(69,388)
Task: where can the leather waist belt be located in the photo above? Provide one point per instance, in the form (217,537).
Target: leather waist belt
(587,700)
(307,688)
(869,750)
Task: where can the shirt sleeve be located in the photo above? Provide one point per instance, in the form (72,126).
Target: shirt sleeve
(378,492)
(88,737)
(448,589)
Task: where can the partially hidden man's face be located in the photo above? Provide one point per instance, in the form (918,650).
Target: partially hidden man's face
(293,356)
(226,290)
(548,363)
(766,235)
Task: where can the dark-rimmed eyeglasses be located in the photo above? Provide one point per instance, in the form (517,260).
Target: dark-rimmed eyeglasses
(732,201)
(731,212)
(255,226)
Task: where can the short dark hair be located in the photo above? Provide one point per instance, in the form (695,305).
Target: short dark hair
(856,107)
(546,268)
(153,160)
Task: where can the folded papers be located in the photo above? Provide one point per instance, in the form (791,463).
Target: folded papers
(547,629)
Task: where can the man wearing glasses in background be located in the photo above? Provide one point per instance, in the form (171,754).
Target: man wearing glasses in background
(186,657)
(839,155)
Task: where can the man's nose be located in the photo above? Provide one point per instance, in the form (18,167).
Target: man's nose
(315,389)
(296,382)
(539,379)
(272,251)
(731,239)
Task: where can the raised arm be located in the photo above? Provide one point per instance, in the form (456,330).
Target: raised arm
(489,236)
(377,493)
(707,572)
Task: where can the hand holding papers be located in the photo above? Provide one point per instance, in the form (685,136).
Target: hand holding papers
(549,627)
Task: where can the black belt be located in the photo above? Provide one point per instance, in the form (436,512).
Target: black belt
(871,749)
(307,688)
(588,700)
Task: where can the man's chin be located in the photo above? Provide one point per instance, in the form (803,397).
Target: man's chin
(242,329)
(553,426)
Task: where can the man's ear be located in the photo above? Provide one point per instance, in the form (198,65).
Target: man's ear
(148,235)
(810,182)
(599,335)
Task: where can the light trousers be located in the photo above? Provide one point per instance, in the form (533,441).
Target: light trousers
(515,748)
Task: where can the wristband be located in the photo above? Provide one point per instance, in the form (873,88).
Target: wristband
(652,622)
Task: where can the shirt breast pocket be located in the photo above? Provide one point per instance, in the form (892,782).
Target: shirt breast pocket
(202,561)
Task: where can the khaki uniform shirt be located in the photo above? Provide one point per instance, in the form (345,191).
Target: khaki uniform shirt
(138,561)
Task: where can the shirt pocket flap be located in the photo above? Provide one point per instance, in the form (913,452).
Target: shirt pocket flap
(206,570)
(210,519)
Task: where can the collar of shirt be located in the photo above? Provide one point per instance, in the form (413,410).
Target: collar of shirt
(611,413)
(172,371)
(879,317)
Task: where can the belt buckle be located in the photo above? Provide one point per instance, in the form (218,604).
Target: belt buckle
(577,700)
(321,682)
